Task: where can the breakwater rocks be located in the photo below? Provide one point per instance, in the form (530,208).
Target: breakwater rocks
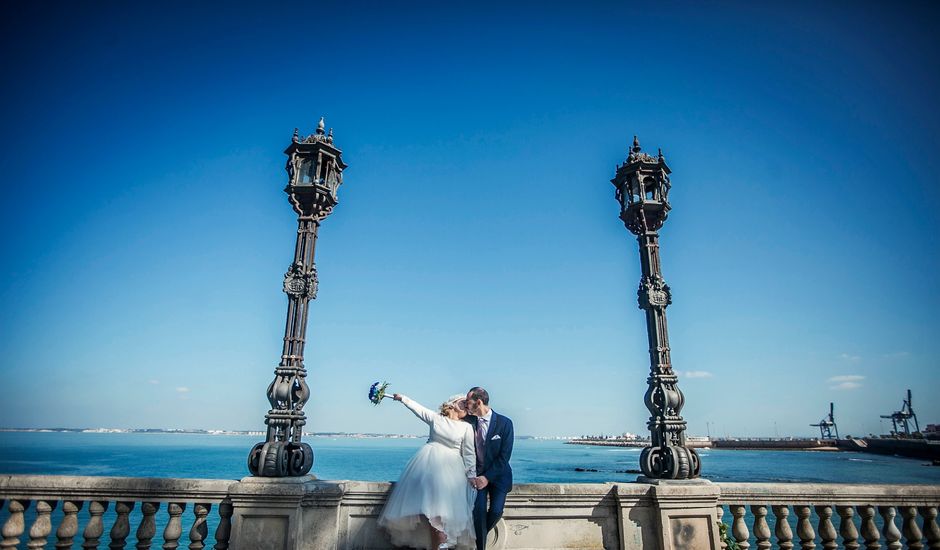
(906,447)
(609,442)
(776,444)
(637,443)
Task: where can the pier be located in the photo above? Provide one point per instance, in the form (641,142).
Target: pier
(902,441)
(753,444)
(905,447)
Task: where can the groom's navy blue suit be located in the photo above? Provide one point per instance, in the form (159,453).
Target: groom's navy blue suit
(495,468)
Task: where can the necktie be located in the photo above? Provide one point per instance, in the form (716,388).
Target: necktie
(480,441)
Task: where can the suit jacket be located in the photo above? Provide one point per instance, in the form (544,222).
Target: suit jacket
(497,451)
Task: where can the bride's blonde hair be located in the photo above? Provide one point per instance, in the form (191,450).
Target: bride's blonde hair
(451,404)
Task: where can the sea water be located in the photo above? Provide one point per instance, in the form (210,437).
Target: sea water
(381,459)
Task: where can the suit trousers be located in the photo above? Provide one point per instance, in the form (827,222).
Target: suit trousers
(483,519)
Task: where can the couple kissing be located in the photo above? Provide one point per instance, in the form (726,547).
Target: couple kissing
(452,492)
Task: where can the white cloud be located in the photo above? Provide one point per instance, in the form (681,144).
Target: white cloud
(694,374)
(850,358)
(182,389)
(846,378)
(845,381)
(154,382)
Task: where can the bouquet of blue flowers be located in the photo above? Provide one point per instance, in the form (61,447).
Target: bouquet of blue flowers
(377,392)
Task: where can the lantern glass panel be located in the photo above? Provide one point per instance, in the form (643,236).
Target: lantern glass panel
(634,191)
(306,171)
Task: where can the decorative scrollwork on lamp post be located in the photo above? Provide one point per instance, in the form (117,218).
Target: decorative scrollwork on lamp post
(642,189)
(315,172)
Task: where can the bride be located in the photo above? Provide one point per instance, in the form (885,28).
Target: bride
(431,504)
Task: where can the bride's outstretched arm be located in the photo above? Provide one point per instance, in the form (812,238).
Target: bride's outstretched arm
(420,411)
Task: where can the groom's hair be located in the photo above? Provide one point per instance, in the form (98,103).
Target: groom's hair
(479,393)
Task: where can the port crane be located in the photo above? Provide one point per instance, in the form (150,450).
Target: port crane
(828,424)
(900,418)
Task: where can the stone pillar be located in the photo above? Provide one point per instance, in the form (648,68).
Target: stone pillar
(321,515)
(267,513)
(686,513)
(637,515)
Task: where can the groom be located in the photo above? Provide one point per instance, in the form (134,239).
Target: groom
(494,439)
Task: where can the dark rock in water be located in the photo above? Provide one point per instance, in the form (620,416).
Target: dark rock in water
(630,471)
(585,469)
(936,462)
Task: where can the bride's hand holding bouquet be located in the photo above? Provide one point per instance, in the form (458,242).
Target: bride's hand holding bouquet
(377,392)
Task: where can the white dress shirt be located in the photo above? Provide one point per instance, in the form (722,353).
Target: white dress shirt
(485,422)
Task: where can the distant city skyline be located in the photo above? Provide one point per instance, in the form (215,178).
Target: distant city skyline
(476,242)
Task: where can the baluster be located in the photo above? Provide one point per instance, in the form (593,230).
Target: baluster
(224,530)
(827,531)
(869,529)
(148,525)
(782,527)
(739,528)
(174,527)
(42,525)
(69,527)
(720,511)
(199,531)
(14,525)
(890,530)
(122,525)
(931,529)
(761,529)
(95,527)
(804,527)
(912,534)
(847,527)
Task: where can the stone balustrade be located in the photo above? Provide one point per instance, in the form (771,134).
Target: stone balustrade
(305,513)
(90,510)
(806,515)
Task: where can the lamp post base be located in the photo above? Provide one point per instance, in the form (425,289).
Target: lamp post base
(280,459)
(670,462)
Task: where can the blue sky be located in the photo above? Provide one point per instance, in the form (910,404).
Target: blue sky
(145,231)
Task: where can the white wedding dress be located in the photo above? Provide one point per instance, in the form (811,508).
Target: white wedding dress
(434,485)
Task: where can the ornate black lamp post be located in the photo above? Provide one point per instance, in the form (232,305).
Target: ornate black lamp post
(315,172)
(642,184)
